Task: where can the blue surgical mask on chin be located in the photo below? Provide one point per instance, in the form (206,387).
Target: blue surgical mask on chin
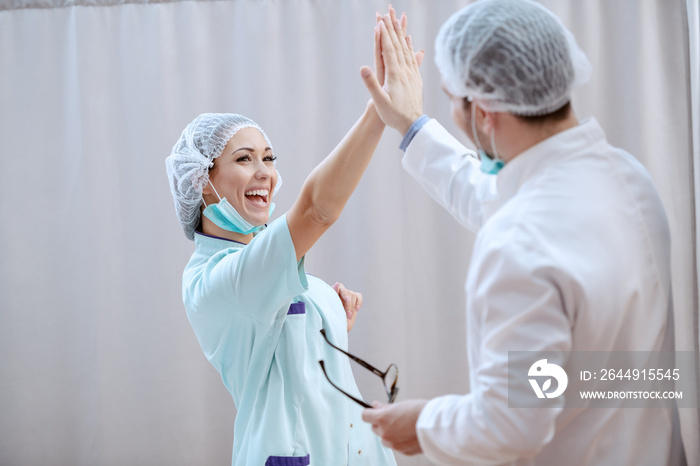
(226,217)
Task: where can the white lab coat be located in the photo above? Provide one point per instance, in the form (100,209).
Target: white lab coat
(572,254)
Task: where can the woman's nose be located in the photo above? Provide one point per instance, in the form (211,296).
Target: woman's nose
(263,171)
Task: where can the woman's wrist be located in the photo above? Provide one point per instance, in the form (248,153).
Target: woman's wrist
(372,115)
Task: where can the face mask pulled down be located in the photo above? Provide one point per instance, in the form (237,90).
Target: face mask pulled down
(489,165)
(226,217)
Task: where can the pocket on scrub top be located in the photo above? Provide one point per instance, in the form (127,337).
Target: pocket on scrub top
(297,308)
(288,461)
(292,343)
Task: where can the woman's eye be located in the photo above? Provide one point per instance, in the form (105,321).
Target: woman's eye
(243,158)
(270,158)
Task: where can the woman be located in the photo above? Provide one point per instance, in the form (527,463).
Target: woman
(256,313)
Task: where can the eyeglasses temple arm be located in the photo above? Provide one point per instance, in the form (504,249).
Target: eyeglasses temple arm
(364,364)
(356,400)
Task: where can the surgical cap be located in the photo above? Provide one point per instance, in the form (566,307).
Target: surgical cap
(193,155)
(512,55)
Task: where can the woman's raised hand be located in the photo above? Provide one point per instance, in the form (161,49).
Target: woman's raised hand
(397,87)
(352,302)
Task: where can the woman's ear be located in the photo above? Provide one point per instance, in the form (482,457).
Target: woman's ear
(207,189)
(208,194)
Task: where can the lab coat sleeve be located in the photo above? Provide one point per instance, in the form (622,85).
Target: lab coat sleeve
(517,307)
(258,279)
(450,173)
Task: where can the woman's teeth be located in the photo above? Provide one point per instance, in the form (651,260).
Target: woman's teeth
(260,193)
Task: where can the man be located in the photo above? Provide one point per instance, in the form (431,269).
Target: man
(573,246)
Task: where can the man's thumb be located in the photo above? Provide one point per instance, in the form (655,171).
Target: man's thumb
(372,84)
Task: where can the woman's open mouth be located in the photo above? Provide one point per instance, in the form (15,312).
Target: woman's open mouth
(258,197)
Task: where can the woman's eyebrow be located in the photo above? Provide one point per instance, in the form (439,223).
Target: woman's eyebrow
(250,149)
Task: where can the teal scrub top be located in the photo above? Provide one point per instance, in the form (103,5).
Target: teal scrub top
(257,316)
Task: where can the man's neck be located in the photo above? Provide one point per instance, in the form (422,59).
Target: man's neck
(518,136)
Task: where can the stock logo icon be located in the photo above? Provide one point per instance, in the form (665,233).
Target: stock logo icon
(542,369)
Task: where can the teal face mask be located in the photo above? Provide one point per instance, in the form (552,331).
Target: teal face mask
(225,216)
(489,165)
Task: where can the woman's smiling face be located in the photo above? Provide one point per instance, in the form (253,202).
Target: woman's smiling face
(245,175)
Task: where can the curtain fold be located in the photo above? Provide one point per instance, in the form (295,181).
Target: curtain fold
(691,425)
(20,4)
(98,363)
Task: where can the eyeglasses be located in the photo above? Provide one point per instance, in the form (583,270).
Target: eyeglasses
(389,377)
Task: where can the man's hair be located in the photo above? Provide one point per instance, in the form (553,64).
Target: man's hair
(536,120)
(554,117)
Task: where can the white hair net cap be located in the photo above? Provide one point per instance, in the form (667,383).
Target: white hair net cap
(193,155)
(512,55)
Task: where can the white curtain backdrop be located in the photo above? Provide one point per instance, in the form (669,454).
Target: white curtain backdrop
(98,363)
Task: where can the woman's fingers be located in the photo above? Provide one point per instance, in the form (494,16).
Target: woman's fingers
(352,300)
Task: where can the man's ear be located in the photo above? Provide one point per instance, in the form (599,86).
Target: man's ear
(487,120)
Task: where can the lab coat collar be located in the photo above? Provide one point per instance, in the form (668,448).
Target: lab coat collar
(537,158)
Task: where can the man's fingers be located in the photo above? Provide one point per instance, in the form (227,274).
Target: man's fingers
(396,48)
(378,61)
(392,16)
(389,54)
(399,38)
(412,54)
(369,415)
(404,44)
(405,446)
(420,55)
(408,449)
(399,25)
